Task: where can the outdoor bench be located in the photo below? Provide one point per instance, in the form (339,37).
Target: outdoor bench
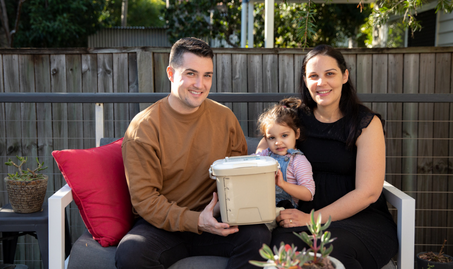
(87,253)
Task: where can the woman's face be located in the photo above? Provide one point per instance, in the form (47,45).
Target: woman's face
(324,80)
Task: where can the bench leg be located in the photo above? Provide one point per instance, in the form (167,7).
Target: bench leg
(9,246)
(42,234)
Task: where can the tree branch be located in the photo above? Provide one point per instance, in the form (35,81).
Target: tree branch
(16,27)
(306,24)
(5,23)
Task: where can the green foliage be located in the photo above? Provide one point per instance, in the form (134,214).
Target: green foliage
(288,257)
(310,24)
(318,232)
(284,257)
(58,23)
(306,23)
(204,19)
(396,31)
(147,13)
(337,22)
(25,175)
(407,9)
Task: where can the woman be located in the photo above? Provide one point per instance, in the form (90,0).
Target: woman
(344,142)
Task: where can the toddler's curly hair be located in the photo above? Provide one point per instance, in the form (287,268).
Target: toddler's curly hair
(284,113)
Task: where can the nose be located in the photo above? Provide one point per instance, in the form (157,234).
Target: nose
(198,82)
(320,81)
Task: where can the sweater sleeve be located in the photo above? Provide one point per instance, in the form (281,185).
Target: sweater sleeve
(301,172)
(145,179)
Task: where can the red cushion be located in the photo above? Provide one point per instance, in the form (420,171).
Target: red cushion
(99,188)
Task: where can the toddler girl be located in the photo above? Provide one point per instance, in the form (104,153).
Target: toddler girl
(280,127)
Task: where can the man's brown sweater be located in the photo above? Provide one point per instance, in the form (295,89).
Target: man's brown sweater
(167,156)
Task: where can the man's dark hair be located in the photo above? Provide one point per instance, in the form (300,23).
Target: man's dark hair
(189,44)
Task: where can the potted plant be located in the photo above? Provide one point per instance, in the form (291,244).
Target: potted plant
(26,188)
(317,256)
(437,260)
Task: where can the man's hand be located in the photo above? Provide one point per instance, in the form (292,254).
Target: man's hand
(207,222)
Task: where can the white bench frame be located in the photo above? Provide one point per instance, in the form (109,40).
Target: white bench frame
(404,204)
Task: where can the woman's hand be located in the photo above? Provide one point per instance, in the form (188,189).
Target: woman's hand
(292,218)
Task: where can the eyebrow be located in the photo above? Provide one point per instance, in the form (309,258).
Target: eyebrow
(195,71)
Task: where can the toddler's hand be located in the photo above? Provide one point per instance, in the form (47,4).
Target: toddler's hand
(279,181)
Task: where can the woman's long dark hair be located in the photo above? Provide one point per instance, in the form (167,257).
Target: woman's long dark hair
(349,102)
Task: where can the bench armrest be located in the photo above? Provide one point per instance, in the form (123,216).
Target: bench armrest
(57,204)
(405,205)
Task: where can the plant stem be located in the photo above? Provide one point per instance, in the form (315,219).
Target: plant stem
(442,248)
(315,248)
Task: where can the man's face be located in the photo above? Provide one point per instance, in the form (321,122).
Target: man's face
(191,82)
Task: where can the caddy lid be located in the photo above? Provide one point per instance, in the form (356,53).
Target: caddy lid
(242,165)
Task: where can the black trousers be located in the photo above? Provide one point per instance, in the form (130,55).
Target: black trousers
(146,246)
(347,248)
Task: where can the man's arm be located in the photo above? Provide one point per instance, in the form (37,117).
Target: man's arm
(145,180)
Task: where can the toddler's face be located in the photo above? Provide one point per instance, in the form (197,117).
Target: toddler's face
(280,138)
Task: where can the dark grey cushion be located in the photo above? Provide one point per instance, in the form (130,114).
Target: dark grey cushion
(88,253)
(252,143)
(107,140)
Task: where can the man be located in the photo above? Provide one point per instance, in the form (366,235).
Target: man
(167,151)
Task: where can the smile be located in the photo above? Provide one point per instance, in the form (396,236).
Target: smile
(323,92)
(196,93)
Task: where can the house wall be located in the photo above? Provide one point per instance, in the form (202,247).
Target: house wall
(445,29)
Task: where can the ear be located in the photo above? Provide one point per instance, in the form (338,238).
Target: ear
(170,73)
(298,133)
(345,76)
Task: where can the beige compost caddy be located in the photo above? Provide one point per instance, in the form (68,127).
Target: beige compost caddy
(246,188)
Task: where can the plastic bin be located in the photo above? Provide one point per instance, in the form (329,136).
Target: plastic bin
(246,189)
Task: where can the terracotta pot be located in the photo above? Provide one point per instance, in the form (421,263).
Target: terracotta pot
(423,264)
(26,196)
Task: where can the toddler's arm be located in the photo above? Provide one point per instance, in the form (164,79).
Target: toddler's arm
(300,174)
(297,191)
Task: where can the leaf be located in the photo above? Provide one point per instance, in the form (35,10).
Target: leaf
(266,252)
(305,237)
(259,264)
(326,252)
